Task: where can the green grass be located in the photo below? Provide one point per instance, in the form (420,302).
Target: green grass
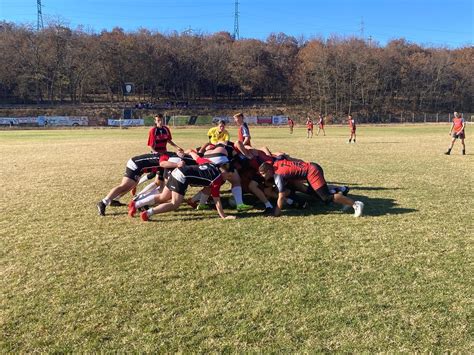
(398,279)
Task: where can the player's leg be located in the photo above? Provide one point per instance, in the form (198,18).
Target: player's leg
(176,200)
(255,189)
(451,145)
(237,192)
(463,146)
(125,186)
(318,183)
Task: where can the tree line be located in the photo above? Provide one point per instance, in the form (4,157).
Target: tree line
(335,75)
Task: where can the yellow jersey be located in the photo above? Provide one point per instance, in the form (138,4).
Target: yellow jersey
(216,136)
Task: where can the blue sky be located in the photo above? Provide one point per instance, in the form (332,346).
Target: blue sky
(427,22)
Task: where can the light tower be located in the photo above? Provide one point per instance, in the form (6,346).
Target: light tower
(236,20)
(39,22)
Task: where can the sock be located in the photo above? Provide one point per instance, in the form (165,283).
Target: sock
(268,205)
(148,200)
(143,178)
(196,197)
(149,212)
(203,198)
(237,193)
(148,187)
(289,201)
(106,201)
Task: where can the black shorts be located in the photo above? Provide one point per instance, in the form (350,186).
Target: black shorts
(459,135)
(176,186)
(132,174)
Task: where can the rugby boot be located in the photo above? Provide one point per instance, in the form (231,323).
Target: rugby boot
(101,208)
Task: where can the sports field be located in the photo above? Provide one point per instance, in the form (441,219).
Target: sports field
(398,279)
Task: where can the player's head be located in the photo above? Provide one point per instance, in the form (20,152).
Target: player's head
(221,125)
(266,170)
(159,119)
(457,115)
(239,118)
(349,117)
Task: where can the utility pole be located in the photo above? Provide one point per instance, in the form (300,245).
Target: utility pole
(236,21)
(39,21)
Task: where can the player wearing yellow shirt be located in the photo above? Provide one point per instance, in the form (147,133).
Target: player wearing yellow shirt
(218,133)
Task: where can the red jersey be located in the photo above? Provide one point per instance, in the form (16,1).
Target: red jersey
(309,124)
(244,132)
(290,122)
(321,122)
(288,169)
(457,125)
(352,124)
(158,137)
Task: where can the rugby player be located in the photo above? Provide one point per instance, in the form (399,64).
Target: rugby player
(309,127)
(206,174)
(352,126)
(136,166)
(283,170)
(457,131)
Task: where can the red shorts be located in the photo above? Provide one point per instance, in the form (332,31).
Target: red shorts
(316,177)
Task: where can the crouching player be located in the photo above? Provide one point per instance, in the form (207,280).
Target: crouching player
(206,174)
(283,170)
(136,166)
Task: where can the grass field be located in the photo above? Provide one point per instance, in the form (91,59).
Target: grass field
(398,279)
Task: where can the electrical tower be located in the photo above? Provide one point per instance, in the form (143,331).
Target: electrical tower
(39,23)
(236,20)
(362,28)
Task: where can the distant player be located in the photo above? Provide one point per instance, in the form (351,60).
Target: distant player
(283,170)
(321,125)
(309,127)
(457,131)
(352,127)
(291,124)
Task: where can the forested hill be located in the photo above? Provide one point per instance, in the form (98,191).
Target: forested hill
(337,75)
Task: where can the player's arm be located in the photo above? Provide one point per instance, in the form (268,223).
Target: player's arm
(166,164)
(220,210)
(215,193)
(451,130)
(203,147)
(176,146)
(279,204)
(241,147)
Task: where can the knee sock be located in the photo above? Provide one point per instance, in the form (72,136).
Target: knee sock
(237,193)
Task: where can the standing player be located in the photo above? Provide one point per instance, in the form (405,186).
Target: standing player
(309,127)
(321,125)
(457,131)
(160,135)
(291,124)
(243,138)
(352,126)
(283,170)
